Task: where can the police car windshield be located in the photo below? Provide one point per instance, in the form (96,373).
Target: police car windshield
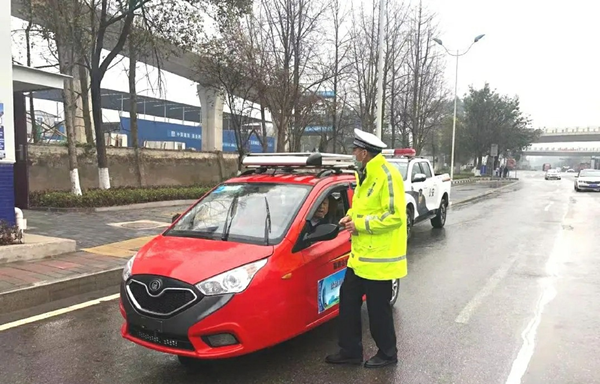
(244,216)
(402,167)
(589,173)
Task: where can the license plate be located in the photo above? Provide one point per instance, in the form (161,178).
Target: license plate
(148,324)
(594,185)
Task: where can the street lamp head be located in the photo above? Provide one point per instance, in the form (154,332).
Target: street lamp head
(438,41)
(478,38)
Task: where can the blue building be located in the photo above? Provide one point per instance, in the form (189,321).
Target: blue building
(191,136)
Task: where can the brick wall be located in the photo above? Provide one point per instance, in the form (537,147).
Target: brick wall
(7,193)
(49,167)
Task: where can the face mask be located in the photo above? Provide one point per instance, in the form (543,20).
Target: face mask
(357,164)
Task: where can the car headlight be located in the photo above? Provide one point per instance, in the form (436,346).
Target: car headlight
(127,269)
(234,281)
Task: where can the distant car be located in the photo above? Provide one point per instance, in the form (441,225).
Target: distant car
(570,170)
(588,180)
(552,174)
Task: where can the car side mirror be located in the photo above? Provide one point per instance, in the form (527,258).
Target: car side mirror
(174,218)
(323,232)
(419,177)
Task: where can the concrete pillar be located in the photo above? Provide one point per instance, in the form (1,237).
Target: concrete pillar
(7,130)
(211,103)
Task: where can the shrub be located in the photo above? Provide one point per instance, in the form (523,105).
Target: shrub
(115,196)
(8,233)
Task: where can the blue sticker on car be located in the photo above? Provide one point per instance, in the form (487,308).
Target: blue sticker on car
(329,290)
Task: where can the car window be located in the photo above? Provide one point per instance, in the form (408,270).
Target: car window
(416,169)
(590,173)
(426,169)
(243,209)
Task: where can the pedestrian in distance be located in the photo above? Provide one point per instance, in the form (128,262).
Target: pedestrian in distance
(377,222)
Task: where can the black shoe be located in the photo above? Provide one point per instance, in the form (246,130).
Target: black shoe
(379,362)
(339,358)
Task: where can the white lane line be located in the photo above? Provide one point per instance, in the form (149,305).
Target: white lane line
(548,207)
(57,312)
(521,362)
(465,315)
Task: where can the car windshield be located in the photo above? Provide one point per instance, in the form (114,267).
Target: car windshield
(402,167)
(239,212)
(590,173)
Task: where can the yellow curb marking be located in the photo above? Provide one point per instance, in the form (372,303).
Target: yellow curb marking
(126,248)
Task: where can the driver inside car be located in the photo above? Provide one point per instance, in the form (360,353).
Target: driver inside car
(323,213)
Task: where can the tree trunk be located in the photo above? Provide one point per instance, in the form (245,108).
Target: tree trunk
(133,112)
(103,175)
(85,101)
(263,124)
(69,98)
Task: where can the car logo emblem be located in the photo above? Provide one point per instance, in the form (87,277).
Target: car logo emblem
(155,285)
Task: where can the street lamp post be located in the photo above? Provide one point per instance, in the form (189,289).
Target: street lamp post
(380,69)
(456,55)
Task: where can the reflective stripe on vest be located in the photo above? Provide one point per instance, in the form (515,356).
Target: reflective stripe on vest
(381,259)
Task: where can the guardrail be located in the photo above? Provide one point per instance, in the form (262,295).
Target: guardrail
(569,131)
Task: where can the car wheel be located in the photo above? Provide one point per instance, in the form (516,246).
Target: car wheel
(440,219)
(577,189)
(395,291)
(409,222)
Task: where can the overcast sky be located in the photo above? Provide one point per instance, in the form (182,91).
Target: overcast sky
(545,52)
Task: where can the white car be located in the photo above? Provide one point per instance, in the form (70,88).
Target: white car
(588,180)
(427,194)
(552,174)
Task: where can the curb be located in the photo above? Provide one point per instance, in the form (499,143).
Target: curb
(481,195)
(478,179)
(152,204)
(44,293)
(35,247)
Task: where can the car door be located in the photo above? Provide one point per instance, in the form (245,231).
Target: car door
(431,194)
(325,261)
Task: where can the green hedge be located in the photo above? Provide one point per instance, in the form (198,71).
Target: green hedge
(115,196)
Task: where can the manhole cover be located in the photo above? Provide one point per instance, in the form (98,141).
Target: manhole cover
(140,224)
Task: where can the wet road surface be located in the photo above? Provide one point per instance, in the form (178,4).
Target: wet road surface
(506,293)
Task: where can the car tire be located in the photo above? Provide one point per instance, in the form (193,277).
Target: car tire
(409,222)
(395,291)
(440,218)
(577,189)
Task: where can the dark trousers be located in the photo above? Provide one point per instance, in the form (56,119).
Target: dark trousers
(381,320)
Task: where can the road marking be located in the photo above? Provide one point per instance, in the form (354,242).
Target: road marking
(126,248)
(47,315)
(521,362)
(548,207)
(465,315)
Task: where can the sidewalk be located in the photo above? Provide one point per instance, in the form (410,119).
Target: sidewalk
(105,245)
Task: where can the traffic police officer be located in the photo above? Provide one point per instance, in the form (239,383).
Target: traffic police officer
(377,222)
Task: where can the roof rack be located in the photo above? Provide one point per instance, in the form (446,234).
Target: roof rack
(288,162)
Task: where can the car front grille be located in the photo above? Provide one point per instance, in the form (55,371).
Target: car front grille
(172,298)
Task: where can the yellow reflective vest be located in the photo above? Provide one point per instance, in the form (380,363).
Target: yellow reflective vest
(379,213)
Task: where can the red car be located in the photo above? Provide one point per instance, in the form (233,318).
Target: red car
(256,261)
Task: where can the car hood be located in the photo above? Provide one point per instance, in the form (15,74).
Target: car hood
(194,260)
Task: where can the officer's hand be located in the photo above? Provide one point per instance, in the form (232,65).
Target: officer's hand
(345,220)
(351,227)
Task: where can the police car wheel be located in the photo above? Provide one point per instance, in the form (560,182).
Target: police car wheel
(440,219)
(395,291)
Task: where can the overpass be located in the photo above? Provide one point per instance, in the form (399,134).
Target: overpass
(179,62)
(565,135)
(562,151)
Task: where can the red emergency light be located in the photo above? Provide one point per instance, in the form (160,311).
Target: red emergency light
(407,152)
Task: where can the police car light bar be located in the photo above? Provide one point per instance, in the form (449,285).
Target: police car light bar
(316,159)
(400,152)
